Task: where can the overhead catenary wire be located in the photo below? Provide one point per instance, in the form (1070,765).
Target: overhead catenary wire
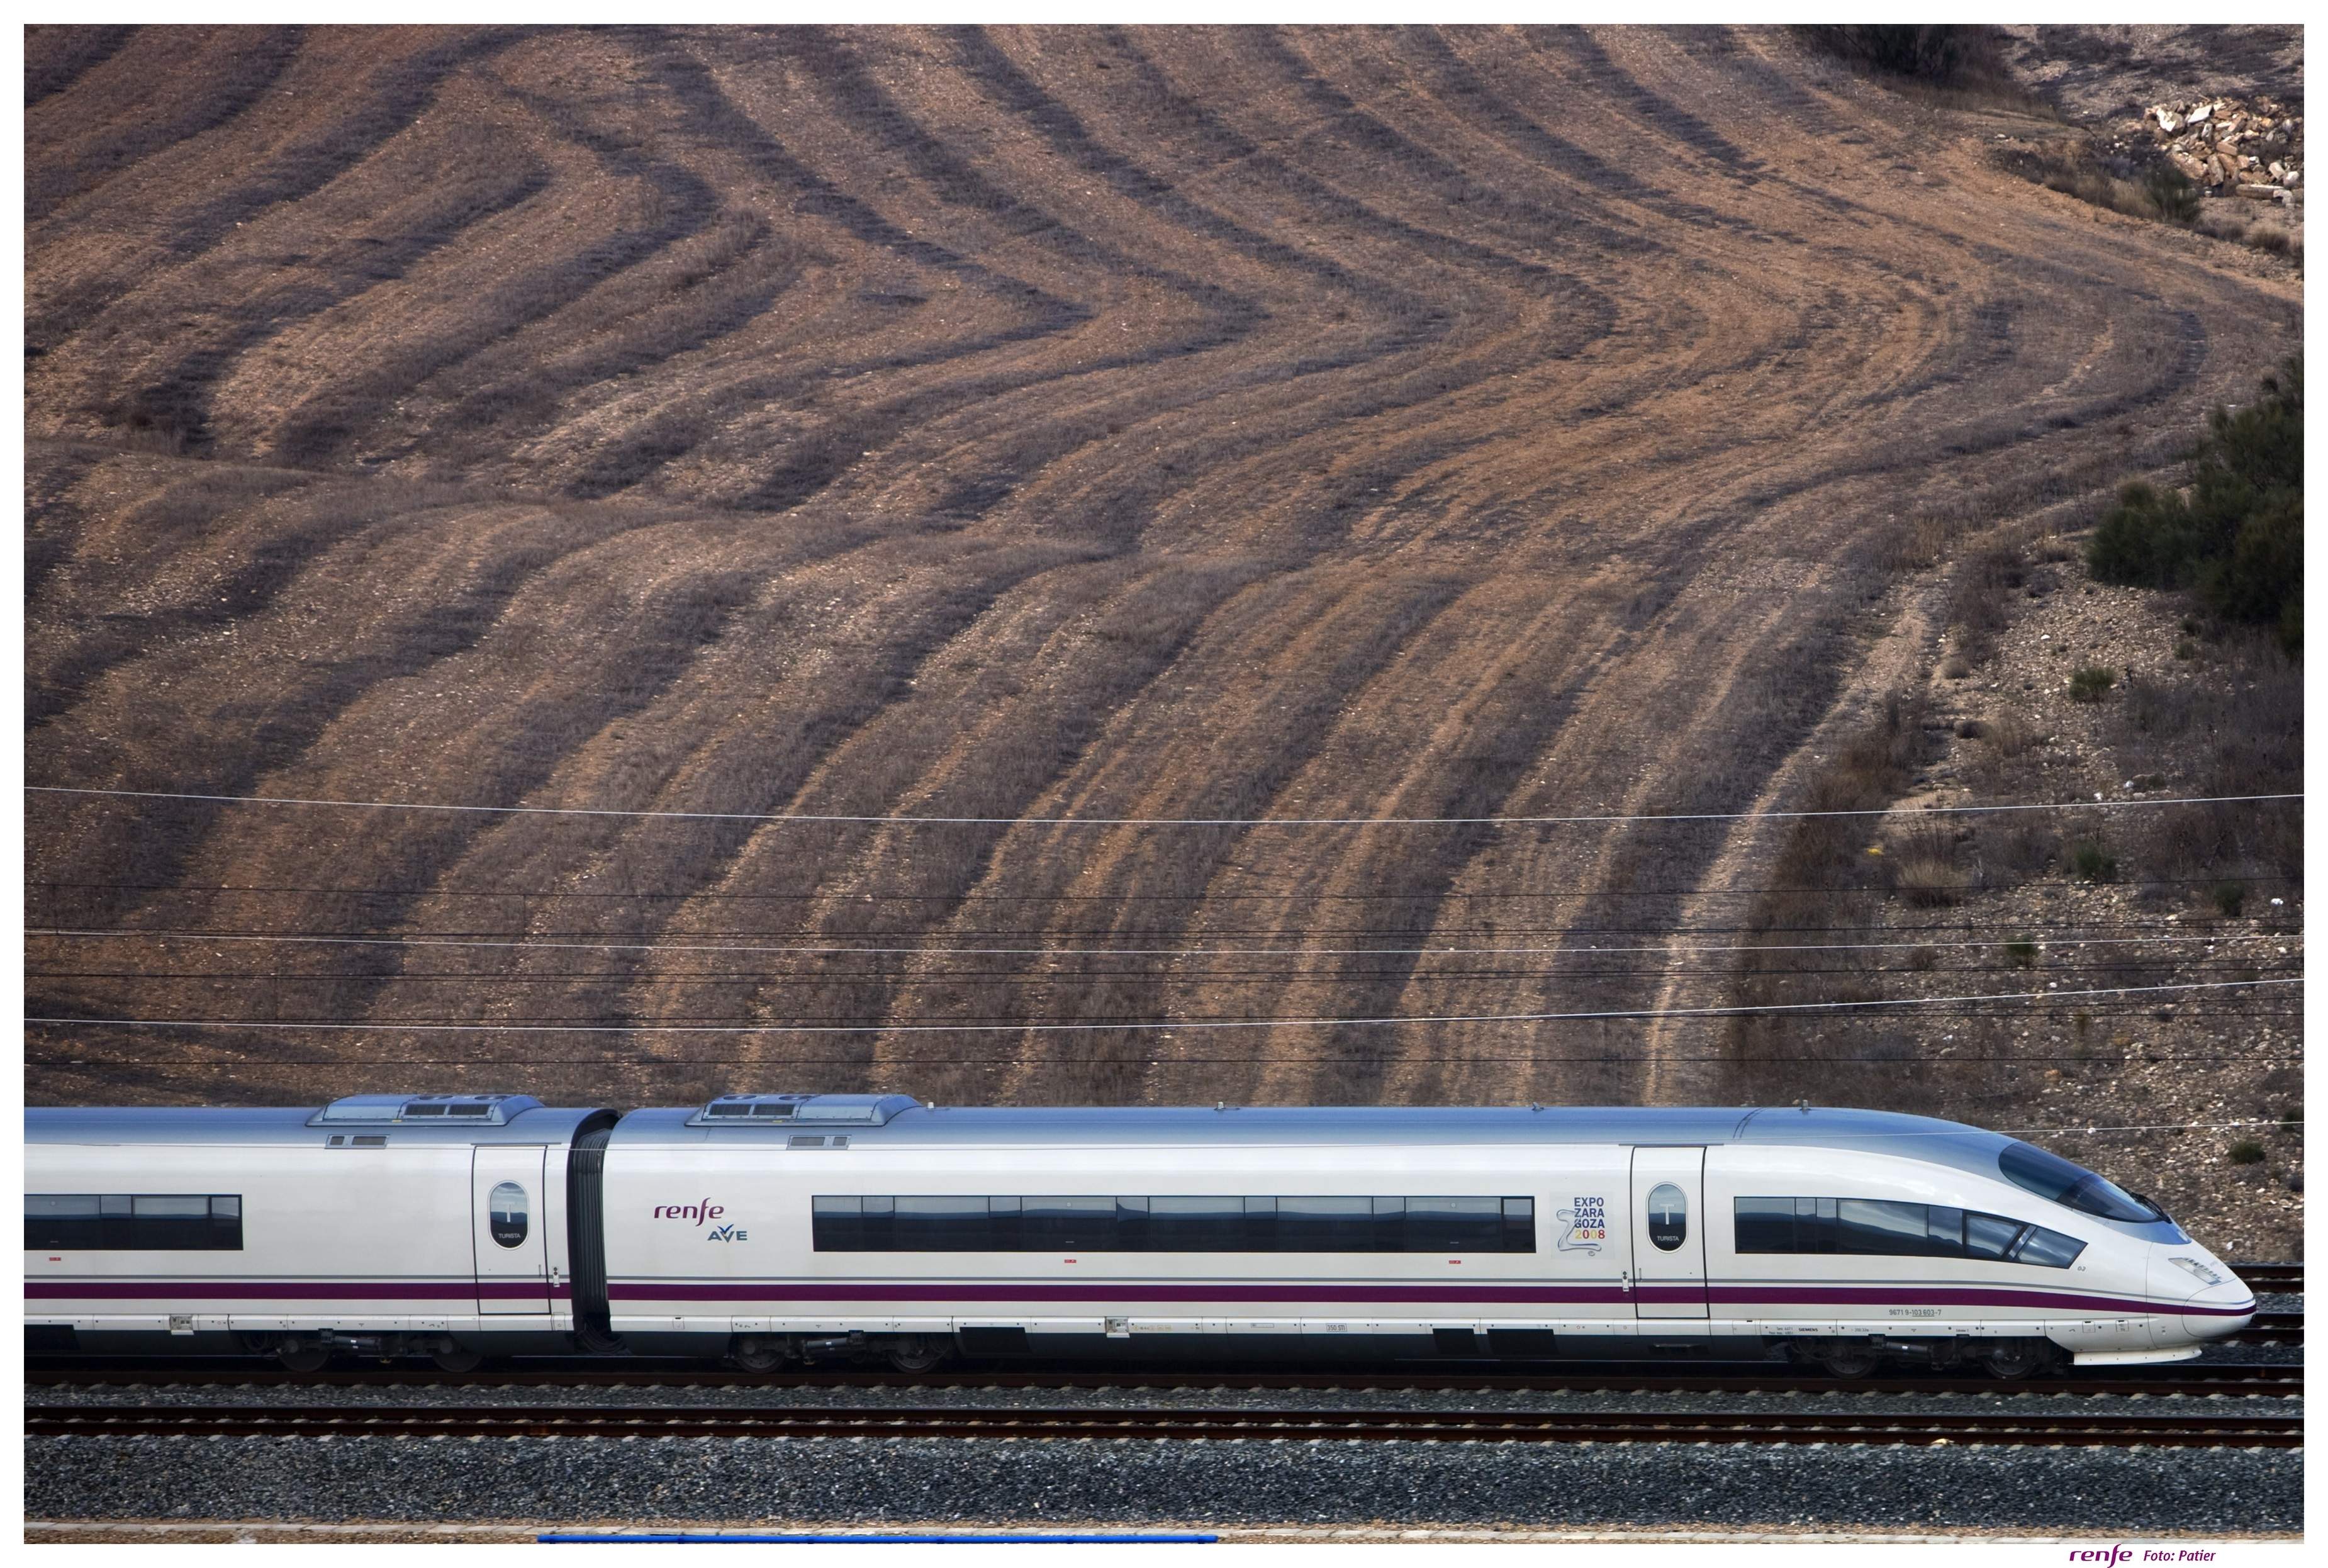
(2091,1131)
(859,896)
(1021,1061)
(1079,1028)
(182,934)
(822,973)
(1029,933)
(873,819)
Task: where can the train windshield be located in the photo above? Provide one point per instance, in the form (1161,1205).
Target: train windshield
(2051,1176)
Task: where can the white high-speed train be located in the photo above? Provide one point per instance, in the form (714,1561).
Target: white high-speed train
(767,1227)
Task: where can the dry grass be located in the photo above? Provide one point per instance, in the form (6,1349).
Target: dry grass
(1928,872)
(1013,424)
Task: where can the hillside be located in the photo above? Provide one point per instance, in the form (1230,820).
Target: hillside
(1003,424)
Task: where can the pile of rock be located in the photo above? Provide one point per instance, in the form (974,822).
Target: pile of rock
(2232,148)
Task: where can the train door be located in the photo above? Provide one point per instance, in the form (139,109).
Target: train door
(505,1198)
(1668,1233)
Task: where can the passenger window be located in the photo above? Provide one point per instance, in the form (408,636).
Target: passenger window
(1766,1224)
(1066,1225)
(1873,1227)
(1519,1225)
(940,1224)
(505,1213)
(1669,1217)
(1325,1224)
(134,1222)
(1195,1225)
(1989,1237)
(1944,1232)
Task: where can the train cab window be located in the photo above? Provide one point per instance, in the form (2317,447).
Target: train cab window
(505,1213)
(1669,1217)
(1879,1227)
(2048,1249)
(2032,1169)
(134,1222)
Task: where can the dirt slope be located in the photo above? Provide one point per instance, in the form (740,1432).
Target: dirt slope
(1003,424)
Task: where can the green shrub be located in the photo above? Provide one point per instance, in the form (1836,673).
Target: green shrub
(2172,193)
(2186,649)
(2246,1152)
(2093,861)
(2230,898)
(2088,684)
(1938,52)
(2023,953)
(2238,537)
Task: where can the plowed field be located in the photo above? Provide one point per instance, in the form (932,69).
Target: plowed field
(1007,425)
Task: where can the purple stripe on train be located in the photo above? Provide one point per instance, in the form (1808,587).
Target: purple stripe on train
(285,1290)
(772,1293)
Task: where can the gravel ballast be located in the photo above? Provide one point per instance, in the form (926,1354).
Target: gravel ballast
(1146,1482)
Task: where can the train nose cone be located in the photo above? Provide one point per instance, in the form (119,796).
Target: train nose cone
(2209,1302)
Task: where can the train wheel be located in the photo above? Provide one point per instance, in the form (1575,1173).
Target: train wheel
(1850,1361)
(2017,1358)
(303,1355)
(915,1353)
(460,1358)
(757,1355)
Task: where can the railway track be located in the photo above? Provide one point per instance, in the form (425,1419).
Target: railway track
(2269,1379)
(2272,1329)
(2212,1429)
(2278,1279)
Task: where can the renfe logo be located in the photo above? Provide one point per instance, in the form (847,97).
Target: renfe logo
(2112,1556)
(702,1213)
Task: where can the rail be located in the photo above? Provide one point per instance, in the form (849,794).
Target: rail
(2263,1378)
(2212,1428)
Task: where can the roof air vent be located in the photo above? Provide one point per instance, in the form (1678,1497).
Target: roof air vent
(792,1110)
(470,1110)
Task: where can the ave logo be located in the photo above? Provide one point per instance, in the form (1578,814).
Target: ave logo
(729,1232)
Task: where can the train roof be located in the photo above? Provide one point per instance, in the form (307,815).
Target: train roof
(905,1124)
(896,1122)
(516,1119)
